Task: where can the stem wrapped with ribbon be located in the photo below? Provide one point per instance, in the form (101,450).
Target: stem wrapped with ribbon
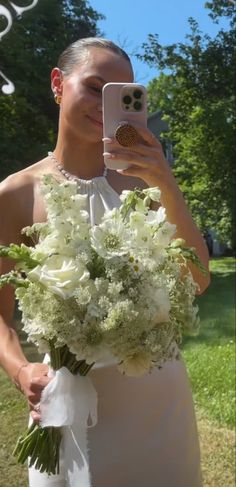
(70,402)
(68,407)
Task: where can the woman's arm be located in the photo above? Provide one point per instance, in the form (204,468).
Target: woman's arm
(30,378)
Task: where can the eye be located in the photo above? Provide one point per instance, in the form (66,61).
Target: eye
(96,89)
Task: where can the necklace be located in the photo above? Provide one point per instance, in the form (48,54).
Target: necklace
(68,175)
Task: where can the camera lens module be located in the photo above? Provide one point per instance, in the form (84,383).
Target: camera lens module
(137,94)
(127,99)
(137,105)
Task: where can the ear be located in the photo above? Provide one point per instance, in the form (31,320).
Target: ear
(56,81)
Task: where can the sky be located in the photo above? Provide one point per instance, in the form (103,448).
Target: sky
(128,23)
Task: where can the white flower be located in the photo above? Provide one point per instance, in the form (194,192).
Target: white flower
(136,220)
(164,234)
(124,195)
(110,238)
(156,217)
(60,275)
(152,194)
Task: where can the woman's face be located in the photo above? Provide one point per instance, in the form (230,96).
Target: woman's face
(81,105)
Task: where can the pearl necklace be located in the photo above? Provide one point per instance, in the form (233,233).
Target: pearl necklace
(68,175)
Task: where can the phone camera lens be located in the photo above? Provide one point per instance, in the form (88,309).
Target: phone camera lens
(137,105)
(137,94)
(127,99)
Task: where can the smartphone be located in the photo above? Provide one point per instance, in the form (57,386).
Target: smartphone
(122,102)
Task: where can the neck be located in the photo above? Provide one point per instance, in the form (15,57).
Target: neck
(81,158)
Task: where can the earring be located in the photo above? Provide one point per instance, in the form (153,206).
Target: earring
(57,98)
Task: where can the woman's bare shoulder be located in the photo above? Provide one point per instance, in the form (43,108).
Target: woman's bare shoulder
(19,197)
(25,178)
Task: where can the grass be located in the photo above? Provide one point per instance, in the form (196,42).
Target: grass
(211,371)
(13,414)
(217,452)
(210,360)
(210,357)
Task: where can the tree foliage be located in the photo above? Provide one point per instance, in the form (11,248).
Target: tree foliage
(196,92)
(28,117)
(221,8)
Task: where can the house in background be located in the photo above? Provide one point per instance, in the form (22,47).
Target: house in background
(157,126)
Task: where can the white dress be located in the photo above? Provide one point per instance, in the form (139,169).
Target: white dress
(146,435)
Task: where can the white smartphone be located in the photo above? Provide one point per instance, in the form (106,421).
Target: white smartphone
(122,102)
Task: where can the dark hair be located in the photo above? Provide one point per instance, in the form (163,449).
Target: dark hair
(75,52)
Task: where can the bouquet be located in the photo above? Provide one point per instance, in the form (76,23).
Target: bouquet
(120,289)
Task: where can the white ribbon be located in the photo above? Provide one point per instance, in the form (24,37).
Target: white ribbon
(70,401)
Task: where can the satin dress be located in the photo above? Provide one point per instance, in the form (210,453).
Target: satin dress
(146,434)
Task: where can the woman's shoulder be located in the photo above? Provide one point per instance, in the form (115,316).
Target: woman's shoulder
(20,196)
(24,179)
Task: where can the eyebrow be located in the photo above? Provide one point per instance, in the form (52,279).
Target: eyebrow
(99,78)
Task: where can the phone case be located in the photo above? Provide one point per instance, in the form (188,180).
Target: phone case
(122,102)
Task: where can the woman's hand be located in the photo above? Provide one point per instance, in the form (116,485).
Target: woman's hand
(146,159)
(33,378)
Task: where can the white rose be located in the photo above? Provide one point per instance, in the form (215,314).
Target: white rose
(60,274)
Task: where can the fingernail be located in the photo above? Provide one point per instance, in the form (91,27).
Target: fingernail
(106,139)
(107,154)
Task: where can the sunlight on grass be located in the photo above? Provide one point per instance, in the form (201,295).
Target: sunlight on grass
(222,264)
(210,357)
(211,371)
(217,453)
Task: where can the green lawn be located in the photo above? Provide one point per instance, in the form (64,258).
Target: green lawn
(210,361)
(210,357)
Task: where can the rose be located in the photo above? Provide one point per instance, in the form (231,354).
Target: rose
(60,274)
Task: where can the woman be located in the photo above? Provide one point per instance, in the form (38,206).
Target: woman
(146,433)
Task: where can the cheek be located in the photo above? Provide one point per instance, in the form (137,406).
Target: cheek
(77,102)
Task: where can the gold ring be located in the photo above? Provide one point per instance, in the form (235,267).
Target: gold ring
(126,135)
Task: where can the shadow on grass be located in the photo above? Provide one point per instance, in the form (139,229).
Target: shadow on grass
(216,311)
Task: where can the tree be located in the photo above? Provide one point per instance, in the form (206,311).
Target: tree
(28,117)
(221,8)
(196,92)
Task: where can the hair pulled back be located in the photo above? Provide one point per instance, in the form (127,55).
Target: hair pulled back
(76,51)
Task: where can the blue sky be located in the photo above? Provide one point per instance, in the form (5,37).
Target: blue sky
(128,23)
